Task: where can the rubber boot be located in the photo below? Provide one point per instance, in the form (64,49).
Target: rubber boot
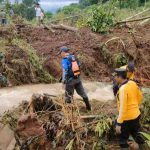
(87,103)
(144,146)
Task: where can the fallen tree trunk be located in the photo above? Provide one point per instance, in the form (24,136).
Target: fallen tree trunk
(51,27)
(136,14)
(134,20)
(48,28)
(64,27)
(89,117)
(144,22)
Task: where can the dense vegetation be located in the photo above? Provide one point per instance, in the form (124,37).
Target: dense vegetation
(24,9)
(99,15)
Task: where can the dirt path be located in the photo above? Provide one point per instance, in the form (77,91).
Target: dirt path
(10,97)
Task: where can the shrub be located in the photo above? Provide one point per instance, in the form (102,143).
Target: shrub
(120,60)
(102,18)
(48,15)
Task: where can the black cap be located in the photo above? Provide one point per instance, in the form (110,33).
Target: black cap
(120,72)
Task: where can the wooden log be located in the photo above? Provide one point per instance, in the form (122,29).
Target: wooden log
(137,14)
(64,27)
(48,28)
(89,117)
(134,20)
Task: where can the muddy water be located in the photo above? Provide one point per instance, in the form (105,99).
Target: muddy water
(10,97)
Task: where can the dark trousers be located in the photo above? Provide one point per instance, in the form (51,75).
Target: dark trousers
(76,84)
(3,21)
(131,127)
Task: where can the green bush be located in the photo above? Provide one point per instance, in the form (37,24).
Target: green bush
(48,15)
(120,60)
(24,11)
(132,4)
(84,18)
(102,18)
(85,3)
(70,10)
(145,110)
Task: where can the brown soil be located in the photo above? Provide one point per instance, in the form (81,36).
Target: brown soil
(86,44)
(82,45)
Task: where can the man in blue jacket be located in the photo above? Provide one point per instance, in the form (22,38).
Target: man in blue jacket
(71,78)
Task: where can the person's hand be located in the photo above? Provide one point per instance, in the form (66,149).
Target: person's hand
(118,129)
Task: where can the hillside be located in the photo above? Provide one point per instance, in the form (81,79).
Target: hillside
(99,54)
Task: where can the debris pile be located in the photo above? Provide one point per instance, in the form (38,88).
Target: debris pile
(58,126)
(64,126)
(98,53)
(19,63)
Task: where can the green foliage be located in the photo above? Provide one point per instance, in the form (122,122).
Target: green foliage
(29,13)
(102,18)
(145,110)
(66,14)
(70,145)
(28,2)
(7,7)
(19,9)
(70,10)
(147,137)
(35,60)
(84,18)
(48,15)
(85,3)
(103,126)
(132,4)
(120,59)
(129,4)
(100,145)
(24,11)
(143,2)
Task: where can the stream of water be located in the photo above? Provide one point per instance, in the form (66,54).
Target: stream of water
(12,96)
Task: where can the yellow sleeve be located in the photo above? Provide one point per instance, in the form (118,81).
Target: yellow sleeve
(123,104)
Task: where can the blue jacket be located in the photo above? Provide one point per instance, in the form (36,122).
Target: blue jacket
(67,68)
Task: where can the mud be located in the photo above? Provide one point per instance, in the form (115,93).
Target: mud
(132,42)
(82,45)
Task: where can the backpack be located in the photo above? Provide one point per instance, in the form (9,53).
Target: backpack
(75,66)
